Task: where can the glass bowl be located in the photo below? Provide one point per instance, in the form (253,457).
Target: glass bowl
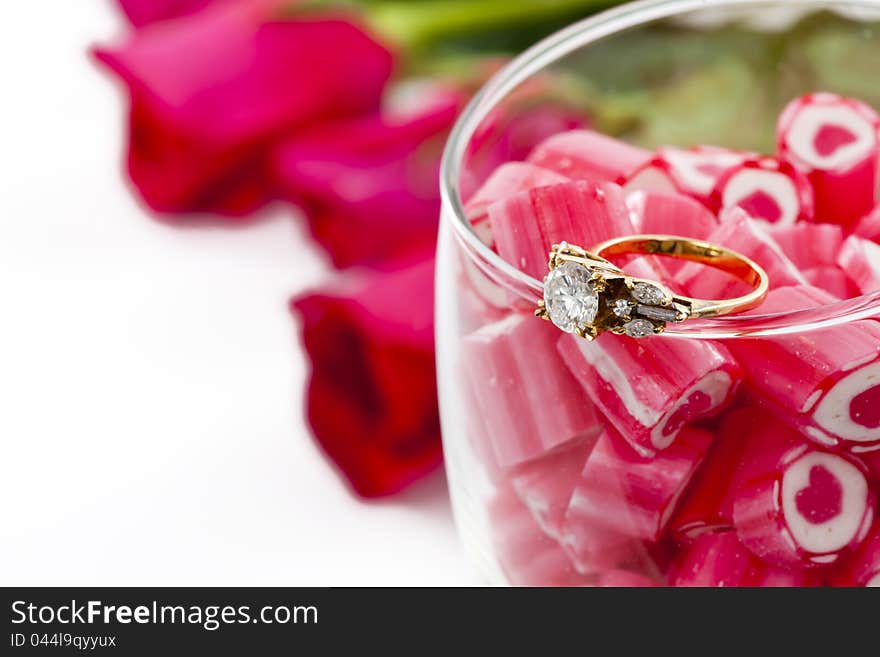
(555,475)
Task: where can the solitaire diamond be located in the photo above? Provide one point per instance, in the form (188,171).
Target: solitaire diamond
(647,293)
(569,297)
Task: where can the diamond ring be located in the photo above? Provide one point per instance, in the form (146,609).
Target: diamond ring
(586,294)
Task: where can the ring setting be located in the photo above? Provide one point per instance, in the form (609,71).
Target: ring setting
(588,295)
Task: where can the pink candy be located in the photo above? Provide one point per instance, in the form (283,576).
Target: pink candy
(507,180)
(524,415)
(869,225)
(720,560)
(826,382)
(693,172)
(809,245)
(525,226)
(835,141)
(588,155)
(766,188)
(746,236)
(863,569)
(635,496)
(527,556)
(650,389)
(815,249)
(799,505)
(656,212)
(833,280)
(708,504)
(593,548)
(860,258)
(545,485)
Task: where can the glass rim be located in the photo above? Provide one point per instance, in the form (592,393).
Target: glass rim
(564,42)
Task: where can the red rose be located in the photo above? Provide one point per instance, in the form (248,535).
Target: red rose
(371,398)
(368,185)
(210,92)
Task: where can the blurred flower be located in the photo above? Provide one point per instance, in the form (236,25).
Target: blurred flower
(211,91)
(371,397)
(143,12)
(368,185)
(235,102)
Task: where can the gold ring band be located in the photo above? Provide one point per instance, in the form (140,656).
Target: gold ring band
(586,294)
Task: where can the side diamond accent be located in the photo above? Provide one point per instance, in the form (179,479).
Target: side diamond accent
(638,328)
(647,293)
(622,307)
(658,313)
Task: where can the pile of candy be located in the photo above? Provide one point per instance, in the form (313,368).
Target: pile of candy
(660,461)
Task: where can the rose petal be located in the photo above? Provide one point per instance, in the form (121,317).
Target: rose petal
(369,185)
(212,90)
(371,400)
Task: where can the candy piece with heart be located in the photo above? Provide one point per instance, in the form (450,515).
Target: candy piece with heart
(766,188)
(633,495)
(525,226)
(526,411)
(825,382)
(796,504)
(508,179)
(526,555)
(694,171)
(718,559)
(648,390)
(860,258)
(588,155)
(835,141)
(747,236)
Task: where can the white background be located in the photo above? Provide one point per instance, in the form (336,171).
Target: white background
(151,423)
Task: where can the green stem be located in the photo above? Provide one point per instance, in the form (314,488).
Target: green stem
(422,24)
